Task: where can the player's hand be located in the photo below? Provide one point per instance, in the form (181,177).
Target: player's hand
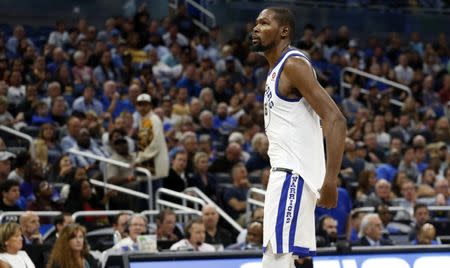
(328,194)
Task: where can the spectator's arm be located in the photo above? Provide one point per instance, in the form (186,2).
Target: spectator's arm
(237,205)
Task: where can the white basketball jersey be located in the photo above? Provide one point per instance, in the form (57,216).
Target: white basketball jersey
(293,129)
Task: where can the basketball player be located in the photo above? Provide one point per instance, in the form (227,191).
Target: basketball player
(298,113)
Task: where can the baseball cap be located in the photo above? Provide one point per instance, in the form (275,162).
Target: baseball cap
(5,155)
(144,98)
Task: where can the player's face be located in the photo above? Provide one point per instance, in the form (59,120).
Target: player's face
(265,32)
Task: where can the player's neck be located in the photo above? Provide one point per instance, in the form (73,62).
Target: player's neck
(275,53)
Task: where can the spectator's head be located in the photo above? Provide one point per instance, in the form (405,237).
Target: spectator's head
(62,221)
(11,240)
(89,93)
(384,213)
(442,187)
(210,217)
(237,137)
(195,232)
(84,138)
(165,222)
(383,189)
(260,143)
(201,162)
(5,164)
(19,32)
(59,107)
(29,222)
(54,89)
(421,214)
(366,181)
(179,160)
(429,176)
(371,227)
(254,234)
(206,119)
(258,214)
(408,190)
(70,245)
(239,175)
(393,157)
(143,102)
(137,225)
(189,142)
(44,191)
(109,89)
(15,79)
(403,60)
(328,227)
(133,92)
(120,223)
(80,58)
(10,192)
(73,126)
(222,110)
(426,234)
(233,152)
(105,60)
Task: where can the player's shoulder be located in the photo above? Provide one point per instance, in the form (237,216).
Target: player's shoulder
(297,63)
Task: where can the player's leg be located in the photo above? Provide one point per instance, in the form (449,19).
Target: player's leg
(272,260)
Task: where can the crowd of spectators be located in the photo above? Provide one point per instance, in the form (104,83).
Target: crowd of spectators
(187,105)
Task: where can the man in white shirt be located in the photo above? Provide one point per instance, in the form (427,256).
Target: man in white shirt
(403,73)
(195,238)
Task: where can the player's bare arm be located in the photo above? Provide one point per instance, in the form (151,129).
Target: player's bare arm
(299,75)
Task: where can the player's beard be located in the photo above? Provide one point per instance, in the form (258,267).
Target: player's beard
(259,47)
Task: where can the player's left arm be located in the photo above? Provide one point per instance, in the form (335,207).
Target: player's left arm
(300,75)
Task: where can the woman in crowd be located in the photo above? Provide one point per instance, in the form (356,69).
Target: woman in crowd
(11,242)
(46,145)
(201,178)
(71,249)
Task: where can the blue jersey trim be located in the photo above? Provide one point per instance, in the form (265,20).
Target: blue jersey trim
(278,79)
(281,212)
(295,213)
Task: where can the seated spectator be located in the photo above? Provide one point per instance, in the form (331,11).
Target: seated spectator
(235,198)
(371,232)
(6,119)
(389,169)
(326,232)
(11,243)
(421,216)
(356,224)
(382,195)
(5,164)
(222,121)
(46,146)
(88,102)
(426,183)
(59,222)
(390,226)
(106,70)
(195,238)
(202,178)
(137,225)
(22,159)
(42,115)
(257,215)
(366,185)
(408,164)
(121,176)
(82,74)
(254,238)
(10,196)
(177,179)
(258,158)
(409,193)
(166,228)
(62,170)
(86,144)
(29,223)
(215,235)
(73,129)
(43,201)
(232,156)
(119,226)
(71,249)
(426,235)
(442,189)
(81,198)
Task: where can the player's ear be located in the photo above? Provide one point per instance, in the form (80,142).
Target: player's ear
(284,32)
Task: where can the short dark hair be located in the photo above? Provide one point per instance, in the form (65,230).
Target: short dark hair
(8,184)
(418,206)
(285,17)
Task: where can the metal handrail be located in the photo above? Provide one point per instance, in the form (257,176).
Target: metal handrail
(121,164)
(177,206)
(152,213)
(251,202)
(99,213)
(119,189)
(219,210)
(19,134)
(373,77)
(39,213)
(372,209)
(439,208)
(202,9)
